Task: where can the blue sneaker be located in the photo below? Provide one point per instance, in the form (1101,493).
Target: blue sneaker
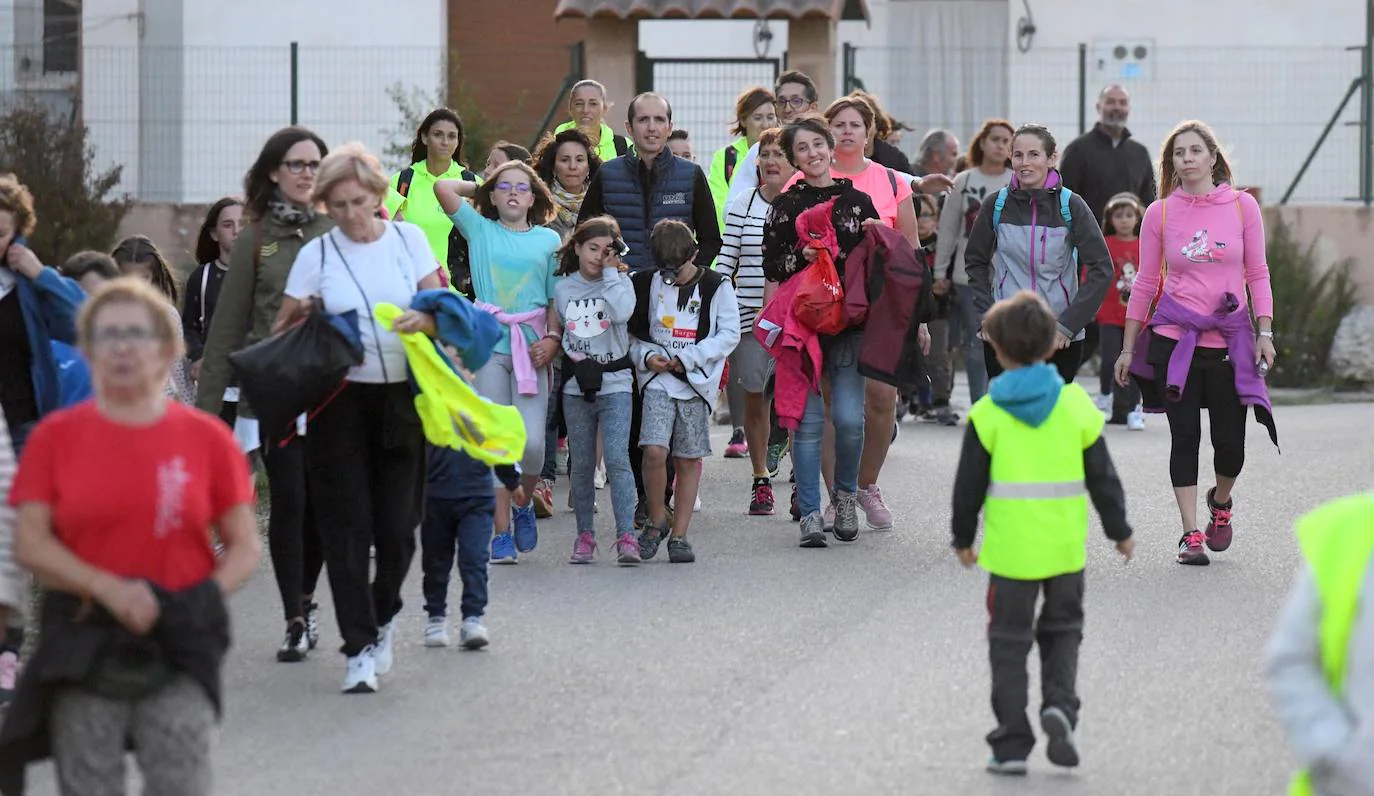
(503,549)
(526,529)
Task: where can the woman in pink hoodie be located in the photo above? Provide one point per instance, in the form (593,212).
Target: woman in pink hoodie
(1205,240)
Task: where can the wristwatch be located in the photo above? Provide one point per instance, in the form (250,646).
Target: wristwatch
(1266,333)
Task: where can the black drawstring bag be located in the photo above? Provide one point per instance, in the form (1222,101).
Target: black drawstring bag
(298,369)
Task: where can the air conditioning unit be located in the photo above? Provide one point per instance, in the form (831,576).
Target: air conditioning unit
(1123,60)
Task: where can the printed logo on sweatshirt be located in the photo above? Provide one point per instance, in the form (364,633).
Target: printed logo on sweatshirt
(1201,250)
(588,318)
(679,198)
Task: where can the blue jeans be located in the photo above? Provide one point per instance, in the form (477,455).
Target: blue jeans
(463,526)
(841,368)
(964,321)
(611,414)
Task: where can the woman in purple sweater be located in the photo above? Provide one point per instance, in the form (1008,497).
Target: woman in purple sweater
(1205,241)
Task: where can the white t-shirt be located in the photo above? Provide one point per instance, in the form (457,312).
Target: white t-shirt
(388,269)
(673,329)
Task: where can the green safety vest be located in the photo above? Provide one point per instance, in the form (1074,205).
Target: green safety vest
(420,205)
(611,145)
(1035,516)
(723,172)
(1337,541)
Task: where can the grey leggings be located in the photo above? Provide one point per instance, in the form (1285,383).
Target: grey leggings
(611,413)
(496,382)
(170,732)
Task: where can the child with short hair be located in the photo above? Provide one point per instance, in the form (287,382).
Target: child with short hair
(460,513)
(685,325)
(1033,454)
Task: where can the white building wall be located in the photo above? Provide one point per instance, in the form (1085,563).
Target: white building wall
(1266,74)
(190,104)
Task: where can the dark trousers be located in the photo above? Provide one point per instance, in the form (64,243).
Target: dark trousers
(1111,338)
(1211,384)
(293,540)
(637,453)
(229,412)
(462,526)
(1012,628)
(367,471)
(1065,360)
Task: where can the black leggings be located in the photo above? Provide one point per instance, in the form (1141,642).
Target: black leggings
(1065,360)
(1212,384)
(293,541)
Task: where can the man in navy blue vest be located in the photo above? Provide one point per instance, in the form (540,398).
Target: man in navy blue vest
(650,184)
(640,189)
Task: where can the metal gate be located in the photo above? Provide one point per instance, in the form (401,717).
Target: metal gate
(703,91)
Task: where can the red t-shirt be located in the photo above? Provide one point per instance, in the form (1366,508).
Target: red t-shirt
(1125,259)
(137,502)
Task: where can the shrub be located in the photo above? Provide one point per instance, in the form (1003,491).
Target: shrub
(49,152)
(1310,304)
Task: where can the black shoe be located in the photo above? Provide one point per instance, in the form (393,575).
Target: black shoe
(295,646)
(680,551)
(1062,749)
(650,539)
(796,507)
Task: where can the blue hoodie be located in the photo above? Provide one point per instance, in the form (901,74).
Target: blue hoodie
(1028,393)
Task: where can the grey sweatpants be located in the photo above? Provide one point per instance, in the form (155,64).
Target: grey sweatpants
(496,383)
(171,732)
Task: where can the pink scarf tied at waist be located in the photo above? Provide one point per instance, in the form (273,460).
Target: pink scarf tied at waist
(526,380)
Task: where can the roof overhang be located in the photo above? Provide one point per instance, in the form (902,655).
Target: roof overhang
(834,10)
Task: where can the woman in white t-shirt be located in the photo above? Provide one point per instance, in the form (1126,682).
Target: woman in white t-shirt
(366,447)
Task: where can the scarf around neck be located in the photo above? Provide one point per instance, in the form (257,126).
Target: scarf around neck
(287,212)
(568,204)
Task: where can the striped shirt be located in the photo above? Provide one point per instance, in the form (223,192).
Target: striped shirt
(741,254)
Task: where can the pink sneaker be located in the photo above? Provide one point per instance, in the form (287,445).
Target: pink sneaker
(584,549)
(627,551)
(737,448)
(875,510)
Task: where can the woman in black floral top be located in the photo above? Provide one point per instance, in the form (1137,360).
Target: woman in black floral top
(809,145)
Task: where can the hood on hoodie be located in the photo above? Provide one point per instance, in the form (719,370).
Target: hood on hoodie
(1028,394)
(1052,181)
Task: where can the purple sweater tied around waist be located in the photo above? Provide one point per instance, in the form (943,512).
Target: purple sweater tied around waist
(1232,320)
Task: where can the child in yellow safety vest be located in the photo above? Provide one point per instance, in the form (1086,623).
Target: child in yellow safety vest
(1320,664)
(1032,456)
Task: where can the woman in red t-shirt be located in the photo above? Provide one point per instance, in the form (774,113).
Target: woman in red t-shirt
(117,499)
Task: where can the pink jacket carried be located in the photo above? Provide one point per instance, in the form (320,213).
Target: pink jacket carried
(796,351)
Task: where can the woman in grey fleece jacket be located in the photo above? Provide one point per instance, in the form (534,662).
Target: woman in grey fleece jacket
(1331,732)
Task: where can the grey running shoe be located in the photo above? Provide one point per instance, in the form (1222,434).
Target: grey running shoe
(680,551)
(1007,768)
(846,516)
(1062,750)
(812,534)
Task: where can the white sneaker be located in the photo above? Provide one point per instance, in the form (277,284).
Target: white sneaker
(361,677)
(382,652)
(436,632)
(599,477)
(1103,402)
(472,635)
(1135,421)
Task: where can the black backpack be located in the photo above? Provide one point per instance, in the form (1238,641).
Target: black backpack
(459,267)
(621,145)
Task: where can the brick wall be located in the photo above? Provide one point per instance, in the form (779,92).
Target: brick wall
(511,58)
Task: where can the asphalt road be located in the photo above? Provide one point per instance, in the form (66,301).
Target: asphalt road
(767,669)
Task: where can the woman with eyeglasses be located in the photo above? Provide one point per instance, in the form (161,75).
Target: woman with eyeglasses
(282,217)
(513,263)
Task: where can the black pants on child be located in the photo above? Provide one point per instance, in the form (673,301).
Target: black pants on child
(366,452)
(1065,360)
(293,539)
(1124,399)
(1012,629)
(461,526)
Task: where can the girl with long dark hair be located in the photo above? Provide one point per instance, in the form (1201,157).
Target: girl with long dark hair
(213,246)
(436,154)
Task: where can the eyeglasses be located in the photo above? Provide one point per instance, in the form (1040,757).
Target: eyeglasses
(133,335)
(518,187)
(298,166)
(795,103)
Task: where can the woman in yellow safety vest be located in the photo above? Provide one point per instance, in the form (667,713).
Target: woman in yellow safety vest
(754,113)
(587,106)
(434,156)
(1321,658)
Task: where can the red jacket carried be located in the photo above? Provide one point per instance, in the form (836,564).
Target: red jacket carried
(796,351)
(887,291)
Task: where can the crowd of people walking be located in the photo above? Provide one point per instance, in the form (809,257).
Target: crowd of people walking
(611,292)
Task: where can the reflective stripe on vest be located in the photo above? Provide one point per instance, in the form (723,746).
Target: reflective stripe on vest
(1035,516)
(1037,491)
(1337,541)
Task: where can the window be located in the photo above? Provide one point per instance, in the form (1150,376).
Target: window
(61,35)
